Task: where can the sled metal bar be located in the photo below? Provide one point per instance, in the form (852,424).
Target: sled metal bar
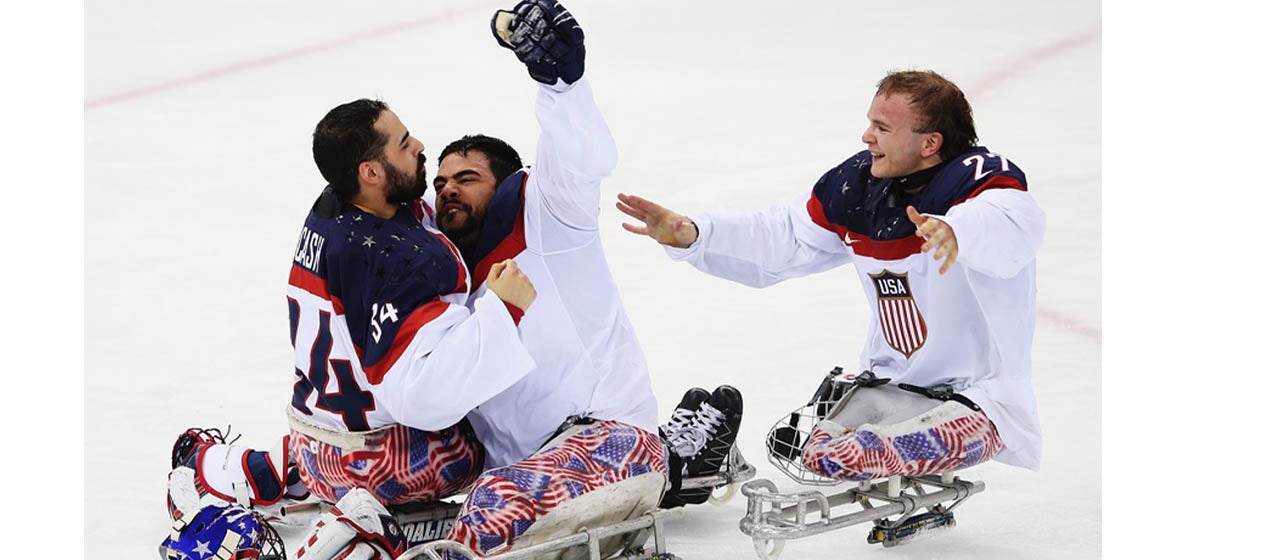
(586,537)
(737,469)
(787,522)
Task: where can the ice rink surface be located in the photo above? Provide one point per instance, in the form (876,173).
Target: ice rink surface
(198,175)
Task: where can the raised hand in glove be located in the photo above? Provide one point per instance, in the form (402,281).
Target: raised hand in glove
(545,37)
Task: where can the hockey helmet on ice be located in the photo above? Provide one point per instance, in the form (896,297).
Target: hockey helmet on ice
(226,532)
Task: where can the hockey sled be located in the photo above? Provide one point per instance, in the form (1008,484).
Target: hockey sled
(900,509)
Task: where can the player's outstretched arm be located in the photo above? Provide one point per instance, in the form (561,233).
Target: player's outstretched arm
(661,224)
(575,150)
(756,249)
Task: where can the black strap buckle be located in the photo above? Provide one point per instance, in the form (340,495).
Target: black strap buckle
(868,379)
(941,392)
(834,386)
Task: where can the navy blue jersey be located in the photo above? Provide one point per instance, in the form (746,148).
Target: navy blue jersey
(384,280)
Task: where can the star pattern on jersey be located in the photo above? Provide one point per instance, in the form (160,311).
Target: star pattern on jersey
(368,241)
(202,548)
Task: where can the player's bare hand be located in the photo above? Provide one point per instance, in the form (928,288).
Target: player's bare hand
(663,225)
(938,238)
(511,285)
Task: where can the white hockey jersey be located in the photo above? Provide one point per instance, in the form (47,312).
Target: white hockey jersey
(381,331)
(971,327)
(588,361)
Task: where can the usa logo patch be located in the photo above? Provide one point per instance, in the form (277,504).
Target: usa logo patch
(900,319)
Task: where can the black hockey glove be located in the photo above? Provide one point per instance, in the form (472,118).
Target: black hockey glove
(545,37)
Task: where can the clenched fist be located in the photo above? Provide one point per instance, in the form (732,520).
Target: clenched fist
(511,285)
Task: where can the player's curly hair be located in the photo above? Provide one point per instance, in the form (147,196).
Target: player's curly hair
(345,138)
(503,159)
(941,105)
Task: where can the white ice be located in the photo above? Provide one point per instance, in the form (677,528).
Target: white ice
(198,175)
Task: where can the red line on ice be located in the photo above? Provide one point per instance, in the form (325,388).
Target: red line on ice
(1016,69)
(269,60)
(1027,61)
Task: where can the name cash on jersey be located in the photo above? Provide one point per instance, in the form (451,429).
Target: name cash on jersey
(310,245)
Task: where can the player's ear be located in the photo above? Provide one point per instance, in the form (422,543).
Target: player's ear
(370,172)
(931,144)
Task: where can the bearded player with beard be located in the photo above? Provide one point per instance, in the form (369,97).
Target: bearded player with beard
(386,351)
(388,357)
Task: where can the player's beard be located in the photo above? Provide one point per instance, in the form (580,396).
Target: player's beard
(461,227)
(402,187)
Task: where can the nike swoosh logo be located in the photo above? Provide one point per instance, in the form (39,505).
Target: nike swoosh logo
(848,240)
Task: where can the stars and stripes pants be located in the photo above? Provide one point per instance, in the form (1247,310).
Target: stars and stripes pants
(948,438)
(506,501)
(397,464)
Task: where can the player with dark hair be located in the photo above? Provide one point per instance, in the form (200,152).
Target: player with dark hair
(586,417)
(389,358)
(943,235)
(407,361)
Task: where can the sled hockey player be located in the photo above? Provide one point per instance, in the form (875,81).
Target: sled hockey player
(389,359)
(943,236)
(574,443)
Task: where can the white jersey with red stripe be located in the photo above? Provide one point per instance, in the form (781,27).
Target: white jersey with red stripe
(381,330)
(588,358)
(971,327)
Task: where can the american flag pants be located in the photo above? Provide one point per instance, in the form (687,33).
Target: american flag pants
(953,442)
(506,501)
(397,464)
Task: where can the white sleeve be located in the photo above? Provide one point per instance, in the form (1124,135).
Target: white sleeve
(575,153)
(998,232)
(454,363)
(763,248)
